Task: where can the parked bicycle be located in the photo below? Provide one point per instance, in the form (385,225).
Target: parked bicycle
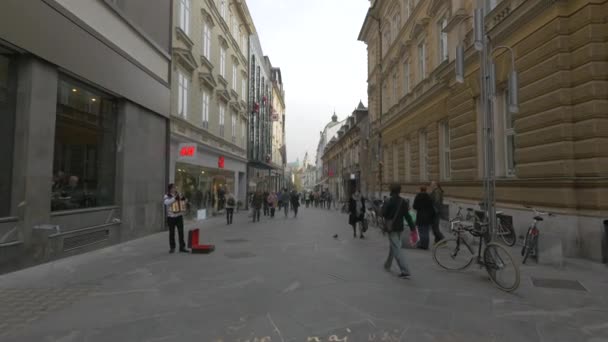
(457,253)
(530,248)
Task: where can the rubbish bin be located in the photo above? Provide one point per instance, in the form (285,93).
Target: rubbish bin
(605,243)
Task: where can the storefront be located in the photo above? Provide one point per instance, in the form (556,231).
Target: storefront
(206,176)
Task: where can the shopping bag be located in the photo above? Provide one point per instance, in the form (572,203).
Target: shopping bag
(414,237)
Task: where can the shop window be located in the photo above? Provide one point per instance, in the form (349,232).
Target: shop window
(8,72)
(84,162)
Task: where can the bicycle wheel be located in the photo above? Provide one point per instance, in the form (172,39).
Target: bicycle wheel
(453,254)
(501,267)
(531,245)
(507,234)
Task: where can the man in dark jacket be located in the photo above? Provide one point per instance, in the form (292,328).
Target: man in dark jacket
(256,203)
(356,212)
(395,210)
(295,202)
(425,214)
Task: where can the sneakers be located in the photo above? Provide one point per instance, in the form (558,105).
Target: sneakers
(404,275)
(172,250)
(183,250)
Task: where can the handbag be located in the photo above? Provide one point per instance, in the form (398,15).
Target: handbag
(388,223)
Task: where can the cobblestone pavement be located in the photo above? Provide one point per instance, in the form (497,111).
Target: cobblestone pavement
(290,280)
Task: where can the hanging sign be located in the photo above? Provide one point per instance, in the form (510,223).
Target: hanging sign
(220,162)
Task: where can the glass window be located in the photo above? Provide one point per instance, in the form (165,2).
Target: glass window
(234,76)
(182,94)
(443,40)
(244,88)
(184,16)
(423,152)
(84,162)
(444,145)
(406,162)
(243,131)
(406,77)
(223,62)
(395,87)
(421,61)
(222,118)
(205,110)
(8,78)
(233,128)
(207,40)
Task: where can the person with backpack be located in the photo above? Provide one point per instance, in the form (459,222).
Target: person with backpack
(395,211)
(425,215)
(230,204)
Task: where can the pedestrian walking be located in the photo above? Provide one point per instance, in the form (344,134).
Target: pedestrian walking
(356,213)
(272,203)
(425,214)
(329,199)
(284,199)
(437,197)
(307,198)
(230,204)
(295,203)
(395,211)
(175,204)
(265,204)
(256,204)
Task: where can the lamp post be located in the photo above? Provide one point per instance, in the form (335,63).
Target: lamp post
(488,92)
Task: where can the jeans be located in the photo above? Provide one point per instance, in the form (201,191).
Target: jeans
(256,214)
(229,215)
(394,252)
(423,230)
(176,222)
(436,231)
(286,208)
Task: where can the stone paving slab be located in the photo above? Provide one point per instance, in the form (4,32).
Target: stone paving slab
(298,284)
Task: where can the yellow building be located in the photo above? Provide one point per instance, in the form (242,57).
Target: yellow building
(552,154)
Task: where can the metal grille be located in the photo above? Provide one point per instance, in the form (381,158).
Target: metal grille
(86,239)
(558,284)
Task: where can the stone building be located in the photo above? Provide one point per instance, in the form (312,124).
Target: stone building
(209,100)
(279,148)
(330,130)
(85,105)
(346,157)
(552,154)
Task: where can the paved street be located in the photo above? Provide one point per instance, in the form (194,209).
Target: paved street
(289,280)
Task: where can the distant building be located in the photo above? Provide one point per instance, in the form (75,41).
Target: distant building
(326,135)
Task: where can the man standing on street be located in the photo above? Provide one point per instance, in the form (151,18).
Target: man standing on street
(395,210)
(295,203)
(230,204)
(285,201)
(425,214)
(256,203)
(175,204)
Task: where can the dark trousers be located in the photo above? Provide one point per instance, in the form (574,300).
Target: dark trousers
(423,230)
(436,231)
(272,212)
(229,215)
(256,214)
(176,222)
(286,209)
(295,211)
(266,211)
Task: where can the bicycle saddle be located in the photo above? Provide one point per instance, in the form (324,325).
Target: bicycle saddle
(538,218)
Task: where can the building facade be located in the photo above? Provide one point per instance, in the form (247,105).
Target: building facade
(279,147)
(210,87)
(551,154)
(263,174)
(330,130)
(85,102)
(346,157)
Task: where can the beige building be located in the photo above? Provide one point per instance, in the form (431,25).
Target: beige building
(209,100)
(552,154)
(278,119)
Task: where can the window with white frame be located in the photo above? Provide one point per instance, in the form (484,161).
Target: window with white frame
(231,24)
(421,61)
(244,39)
(205,109)
(184,16)
(509,133)
(207,40)
(233,125)
(222,118)
(423,154)
(244,88)
(407,156)
(395,87)
(234,76)
(182,94)
(395,164)
(243,132)
(443,39)
(444,150)
(406,77)
(223,62)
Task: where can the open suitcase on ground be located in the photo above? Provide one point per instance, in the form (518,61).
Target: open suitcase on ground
(194,243)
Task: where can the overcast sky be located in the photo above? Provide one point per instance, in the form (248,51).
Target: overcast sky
(324,66)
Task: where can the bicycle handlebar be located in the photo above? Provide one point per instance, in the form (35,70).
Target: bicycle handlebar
(540,213)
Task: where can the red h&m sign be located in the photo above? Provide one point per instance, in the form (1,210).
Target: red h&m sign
(187,150)
(220,162)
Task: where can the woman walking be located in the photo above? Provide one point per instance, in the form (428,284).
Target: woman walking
(425,214)
(356,210)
